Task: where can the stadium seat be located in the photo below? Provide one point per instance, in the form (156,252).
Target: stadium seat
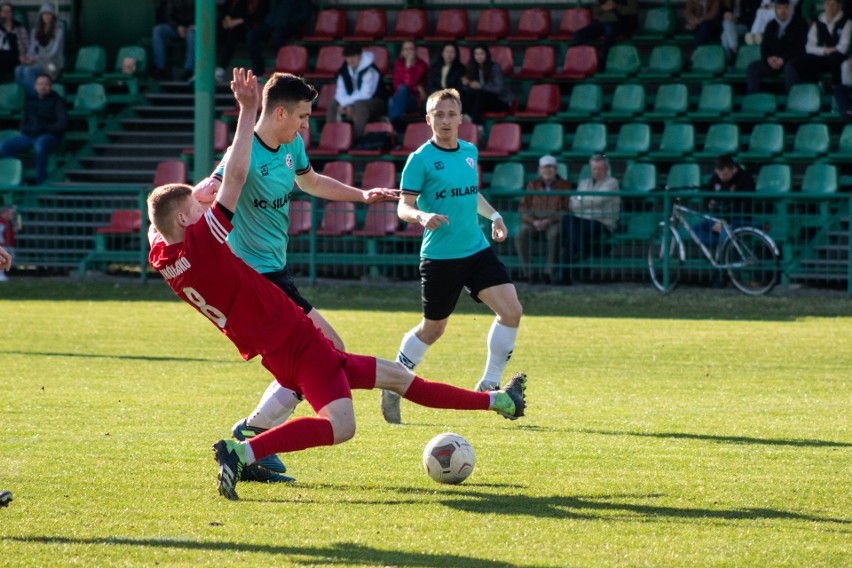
(326,95)
(381,219)
(118,77)
(221,139)
(844,146)
(452,25)
(715,101)
(746,55)
(666,61)
(572,20)
(372,127)
(342,171)
(469,133)
(301,213)
(546,138)
(773,178)
(89,63)
(11,100)
(380,57)
(292,59)
(765,142)
(803,101)
(411,24)
(634,139)
(370,25)
(543,101)
(588,139)
(621,61)
(721,138)
(756,107)
(11,172)
(416,134)
(684,176)
(335,138)
(820,178)
(123,221)
(170,171)
(491,25)
(379,174)
(502,54)
(628,100)
(410,231)
(329,61)
(533,25)
(504,139)
(305,134)
(586,101)
(671,100)
(89,102)
(508,177)
(639,177)
(658,24)
(8,133)
(330,26)
(338,217)
(678,140)
(707,61)
(581,61)
(772,213)
(811,141)
(539,62)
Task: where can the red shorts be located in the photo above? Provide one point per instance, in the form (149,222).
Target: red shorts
(308,363)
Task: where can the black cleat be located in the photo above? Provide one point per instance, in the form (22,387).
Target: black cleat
(5,498)
(231,464)
(256,472)
(516,389)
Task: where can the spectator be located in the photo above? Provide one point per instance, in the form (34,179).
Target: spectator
(826,48)
(409,83)
(484,87)
(13,40)
(765,14)
(284,19)
(737,19)
(702,19)
(238,17)
(43,123)
(729,177)
(7,240)
(540,216)
(591,217)
(46,50)
(783,41)
(179,24)
(447,72)
(358,96)
(843,91)
(610,19)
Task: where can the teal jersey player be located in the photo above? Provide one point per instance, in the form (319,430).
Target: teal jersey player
(261,221)
(447,183)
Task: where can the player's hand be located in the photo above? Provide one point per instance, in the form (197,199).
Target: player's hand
(244,87)
(5,260)
(499,232)
(432,221)
(206,190)
(381,194)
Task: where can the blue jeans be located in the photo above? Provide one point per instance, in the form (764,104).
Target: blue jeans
(26,75)
(402,102)
(42,144)
(731,34)
(166,32)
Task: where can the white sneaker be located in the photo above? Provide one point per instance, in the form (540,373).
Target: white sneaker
(390,407)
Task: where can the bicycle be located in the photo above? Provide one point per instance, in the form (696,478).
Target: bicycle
(749,255)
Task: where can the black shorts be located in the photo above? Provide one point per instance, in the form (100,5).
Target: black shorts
(283,280)
(441,281)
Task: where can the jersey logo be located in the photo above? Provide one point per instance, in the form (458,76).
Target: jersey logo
(289,160)
(439,165)
(470,162)
(264,170)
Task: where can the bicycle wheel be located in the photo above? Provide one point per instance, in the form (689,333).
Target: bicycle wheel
(657,253)
(752,261)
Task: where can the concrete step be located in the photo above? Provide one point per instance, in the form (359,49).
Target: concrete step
(112,176)
(173,111)
(120,162)
(159,151)
(183,125)
(157,138)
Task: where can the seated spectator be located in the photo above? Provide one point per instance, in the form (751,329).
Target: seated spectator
(540,217)
(729,177)
(737,19)
(765,14)
(284,20)
(702,19)
(13,40)
(43,123)
(237,18)
(825,50)
(46,50)
(591,217)
(843,91)
(179,24)
(783,41)
(484,87)
(447,72)
(409,84)
(358,96)
(610,19)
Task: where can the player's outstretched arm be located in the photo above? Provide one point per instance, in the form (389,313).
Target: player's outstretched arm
(410,213)
(244,86)
(329,188)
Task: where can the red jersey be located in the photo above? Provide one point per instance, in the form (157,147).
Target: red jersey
(203,271)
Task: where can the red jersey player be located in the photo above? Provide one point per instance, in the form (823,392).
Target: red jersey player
(189,248)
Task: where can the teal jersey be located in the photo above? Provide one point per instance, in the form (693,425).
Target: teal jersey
(262,218)
(446,182)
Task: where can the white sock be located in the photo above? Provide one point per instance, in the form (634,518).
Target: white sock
(411,350)
(501,343)
(249,454)
(275,407)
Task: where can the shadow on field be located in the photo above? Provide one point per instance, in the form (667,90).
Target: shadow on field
(724,439)
(342,552)
(128,357)
(588,507)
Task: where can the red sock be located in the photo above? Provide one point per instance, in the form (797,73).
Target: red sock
(292,436)
(441,395)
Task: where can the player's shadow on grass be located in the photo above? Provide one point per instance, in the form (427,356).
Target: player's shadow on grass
(724,439)
(125,357)
(338,553)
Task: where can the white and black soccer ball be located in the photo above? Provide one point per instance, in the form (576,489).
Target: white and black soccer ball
(448,458)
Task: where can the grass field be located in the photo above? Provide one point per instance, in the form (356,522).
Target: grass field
(694,429)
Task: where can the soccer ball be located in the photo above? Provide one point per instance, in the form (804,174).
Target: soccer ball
(448,458)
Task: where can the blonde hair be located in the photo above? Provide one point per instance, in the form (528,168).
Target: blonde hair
(164,202)
(442,95)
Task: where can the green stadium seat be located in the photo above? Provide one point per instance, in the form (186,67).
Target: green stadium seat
(765,142)
(9,133)
(707,61)
(771,214)
(628,100)
(658,24)
(684,176)
(11,172)
(546,138)
(721,138)
(774,178)
(117,77)
(634,140)
(11,100)
(756,107)
(89,64)
(588,139)
(715,101)
(666,61)
(819,179)
(803,101)
(89,102)
(811,141)
(678,140)
(639,177)
(844,146)
(746,55)
(670,101)
(507,178)
(585,102)
(621,61)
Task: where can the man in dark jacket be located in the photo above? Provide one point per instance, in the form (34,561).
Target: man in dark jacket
(610,19)
(783,41)
(179,24)
(826,48)
(729,178)
(43,123)
(285,19)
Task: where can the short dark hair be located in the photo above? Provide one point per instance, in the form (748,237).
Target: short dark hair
(350,50)
(163,201)
(725,162)
(40,75)
(287,90)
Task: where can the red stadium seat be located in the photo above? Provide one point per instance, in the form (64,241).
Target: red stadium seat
(343,172)
(573,19)
(502,54)
(329,61)
(534,24)
(423,53)
(170,171)
(464,54)
(381,219)
(123,221)
(306,137)
(338,217)
(371,24)
(326,95)
(410,24)
(543,100)
(221,139)
(492,24)
(469,133)
(503,139)
(512,110)
(539,63)
(376,127)
(416,134)
(381,57)
(330,26)
(410,231)
(452,25)
(581,61)
(300,218)
(335,138)
(379,174)
(292,59)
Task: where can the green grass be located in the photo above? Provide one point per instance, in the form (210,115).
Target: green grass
(690,429)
